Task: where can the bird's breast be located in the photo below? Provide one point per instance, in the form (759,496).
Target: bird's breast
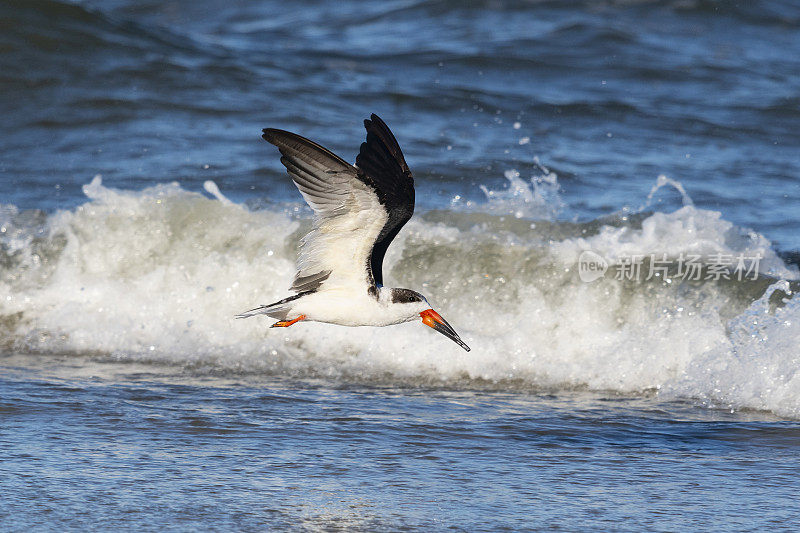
(347,308)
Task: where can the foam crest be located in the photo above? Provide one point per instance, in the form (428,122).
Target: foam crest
(759,364)
(688,230)
(158,275)
(661,182)
(538,197)
(161,270)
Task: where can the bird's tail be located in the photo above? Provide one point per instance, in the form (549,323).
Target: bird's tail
(279,310)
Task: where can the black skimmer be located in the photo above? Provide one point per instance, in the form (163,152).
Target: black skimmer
(358,211)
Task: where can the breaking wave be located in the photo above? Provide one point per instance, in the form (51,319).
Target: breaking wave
(157,276)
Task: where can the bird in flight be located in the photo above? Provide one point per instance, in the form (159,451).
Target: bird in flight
(358,211)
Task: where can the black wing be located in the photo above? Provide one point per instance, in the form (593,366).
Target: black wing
(383,167)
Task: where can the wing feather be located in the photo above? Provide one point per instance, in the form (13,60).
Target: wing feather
(358,209)
(384,167)
(348,215)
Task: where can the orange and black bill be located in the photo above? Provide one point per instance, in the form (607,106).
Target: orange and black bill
(433,319)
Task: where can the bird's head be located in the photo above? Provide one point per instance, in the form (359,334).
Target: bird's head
(417,305)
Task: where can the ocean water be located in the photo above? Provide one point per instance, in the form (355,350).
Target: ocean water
(608,212)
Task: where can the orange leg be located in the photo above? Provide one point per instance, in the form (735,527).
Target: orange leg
(286,324)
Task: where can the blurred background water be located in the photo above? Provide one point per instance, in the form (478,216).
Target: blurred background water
(129,398)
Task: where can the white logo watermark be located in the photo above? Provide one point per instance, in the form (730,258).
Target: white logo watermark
(591,266)
(689,267)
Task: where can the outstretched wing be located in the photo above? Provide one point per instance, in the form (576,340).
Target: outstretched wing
(358,209)
(386,172)
(348,214)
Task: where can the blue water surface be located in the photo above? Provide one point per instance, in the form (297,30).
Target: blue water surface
(607,94)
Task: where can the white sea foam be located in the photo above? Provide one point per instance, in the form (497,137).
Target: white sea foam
(537,197)
(758,365)
(157,275)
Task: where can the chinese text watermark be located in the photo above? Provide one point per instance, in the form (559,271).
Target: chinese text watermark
(686,267)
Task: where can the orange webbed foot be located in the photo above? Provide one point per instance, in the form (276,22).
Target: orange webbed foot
(287,323)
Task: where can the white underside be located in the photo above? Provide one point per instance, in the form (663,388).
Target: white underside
(342,238)
(349,307)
